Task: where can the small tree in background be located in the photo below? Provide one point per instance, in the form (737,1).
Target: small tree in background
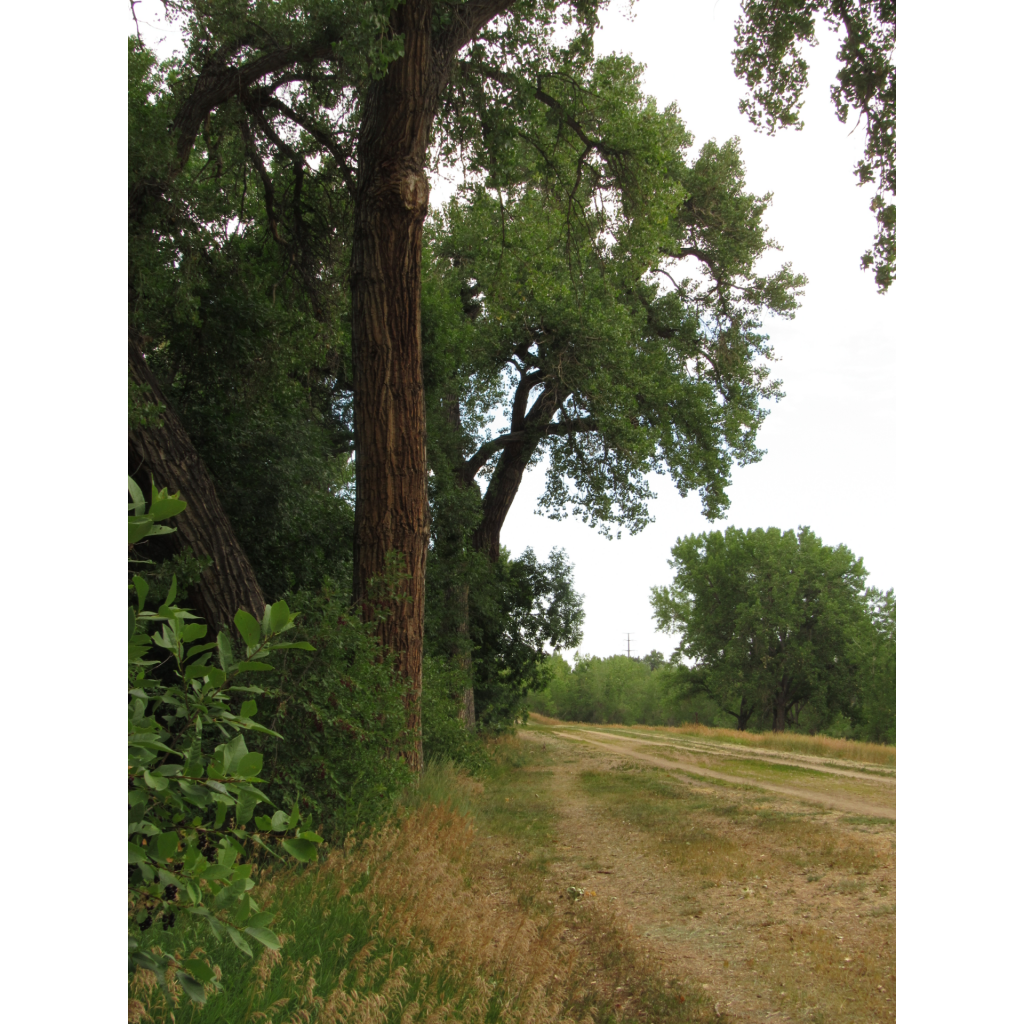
(878,670)
(775,623)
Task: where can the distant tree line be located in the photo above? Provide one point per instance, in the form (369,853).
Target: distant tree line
(779,631)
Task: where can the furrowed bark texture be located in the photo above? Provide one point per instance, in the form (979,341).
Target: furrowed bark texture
(390,419)
(167,453)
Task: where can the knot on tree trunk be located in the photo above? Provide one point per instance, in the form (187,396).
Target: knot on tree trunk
(415,191)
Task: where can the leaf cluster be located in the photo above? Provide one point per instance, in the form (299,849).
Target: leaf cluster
(770,35)
(193,783)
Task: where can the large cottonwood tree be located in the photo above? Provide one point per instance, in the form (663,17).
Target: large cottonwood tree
(366,86)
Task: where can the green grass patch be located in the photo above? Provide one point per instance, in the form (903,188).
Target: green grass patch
(676,817)
(684,820)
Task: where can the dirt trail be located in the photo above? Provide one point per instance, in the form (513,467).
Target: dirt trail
(875,773)
(781,945)
(837,802)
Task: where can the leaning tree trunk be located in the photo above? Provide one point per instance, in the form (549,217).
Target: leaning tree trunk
(390,419)
(498,499)
(508,473)
(167,454)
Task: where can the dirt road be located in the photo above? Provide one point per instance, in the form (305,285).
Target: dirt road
(779,899)
(678,756)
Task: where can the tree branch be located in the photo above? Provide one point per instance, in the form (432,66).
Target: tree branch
(468,20)
(564,428)
(268,184)
(220,81)
(341,157)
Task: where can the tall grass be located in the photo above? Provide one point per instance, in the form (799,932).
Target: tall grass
(818,746)
(387,931)
(408,927)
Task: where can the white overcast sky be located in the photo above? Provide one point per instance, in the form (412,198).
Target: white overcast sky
(829,461)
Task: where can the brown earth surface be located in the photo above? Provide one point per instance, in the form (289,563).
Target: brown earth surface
(678,758)
(782,908)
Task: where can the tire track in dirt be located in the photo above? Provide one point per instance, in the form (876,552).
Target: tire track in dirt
(884,776)
(714,935)
(839,803)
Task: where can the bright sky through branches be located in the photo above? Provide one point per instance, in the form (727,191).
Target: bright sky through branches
(830,461)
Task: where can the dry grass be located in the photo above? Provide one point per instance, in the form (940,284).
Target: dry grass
(772,870)
(416,943)
(816,746)
(398,930)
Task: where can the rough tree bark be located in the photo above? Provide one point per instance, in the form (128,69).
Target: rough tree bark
(390,420)
(167,453)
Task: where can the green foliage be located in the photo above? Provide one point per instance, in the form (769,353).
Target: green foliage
(193,783)
(445,737)
(776,623)
(338,718)
(770,35)
(618,689)
(608,370)
(526,607)
(876,712)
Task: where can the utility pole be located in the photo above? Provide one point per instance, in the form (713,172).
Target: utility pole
(629,649)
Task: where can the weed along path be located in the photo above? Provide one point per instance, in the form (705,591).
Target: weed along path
(772,896)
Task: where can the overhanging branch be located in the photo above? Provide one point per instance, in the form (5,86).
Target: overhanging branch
(486,451)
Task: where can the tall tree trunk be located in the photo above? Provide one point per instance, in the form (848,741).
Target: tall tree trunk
(457,594)
(781,706)
(391,456)
(167,453)
(390,419)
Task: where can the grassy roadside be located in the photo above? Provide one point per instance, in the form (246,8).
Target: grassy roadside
(444,914)
(863,788)
(816,746)
(724,833)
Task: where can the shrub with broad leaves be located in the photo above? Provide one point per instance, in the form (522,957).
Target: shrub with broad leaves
(193,784)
